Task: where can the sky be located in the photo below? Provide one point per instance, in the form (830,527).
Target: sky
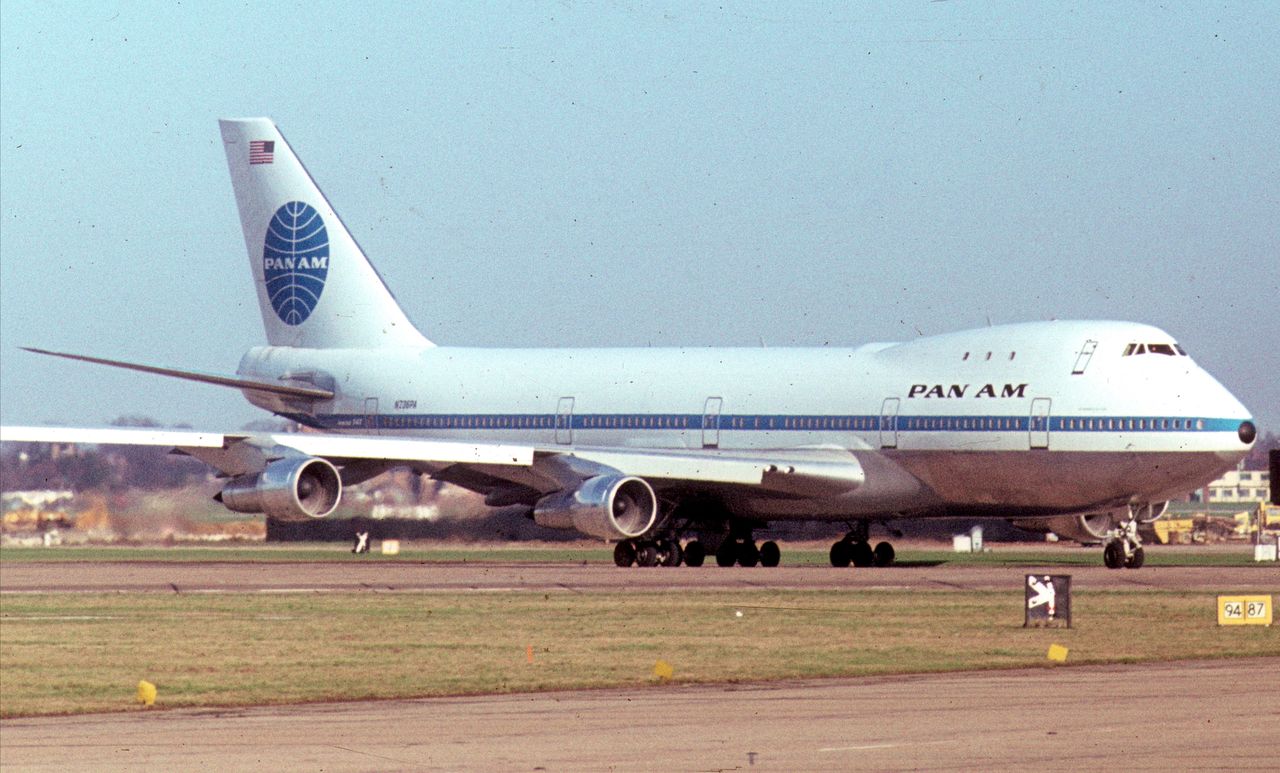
(582,174)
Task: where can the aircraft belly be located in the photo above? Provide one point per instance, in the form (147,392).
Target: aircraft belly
(1058,481)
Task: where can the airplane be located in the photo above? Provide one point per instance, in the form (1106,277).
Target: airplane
(1083,428)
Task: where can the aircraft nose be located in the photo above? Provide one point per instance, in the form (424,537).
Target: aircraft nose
(1247,432)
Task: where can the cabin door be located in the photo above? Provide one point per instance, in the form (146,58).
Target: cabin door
(371,415)
(889,423)
(711,422)
(1040,422)
(564,421)
(1086,354)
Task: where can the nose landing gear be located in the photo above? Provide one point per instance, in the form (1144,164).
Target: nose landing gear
(1123,546)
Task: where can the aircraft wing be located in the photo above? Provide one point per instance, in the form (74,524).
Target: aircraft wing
(485,467)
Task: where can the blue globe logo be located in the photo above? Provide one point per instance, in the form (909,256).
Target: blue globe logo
(295,261)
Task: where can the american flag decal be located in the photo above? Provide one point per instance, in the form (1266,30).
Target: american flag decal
(261,151)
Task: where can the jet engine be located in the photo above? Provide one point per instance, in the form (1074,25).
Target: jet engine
(1085,529)
(614,507)
(293,489)
(1093,527)
(1149,513)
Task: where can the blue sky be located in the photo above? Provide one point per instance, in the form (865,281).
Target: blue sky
(578,174)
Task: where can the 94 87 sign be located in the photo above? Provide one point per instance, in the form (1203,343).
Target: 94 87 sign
(1244,610)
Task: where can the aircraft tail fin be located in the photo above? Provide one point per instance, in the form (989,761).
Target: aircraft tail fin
(316,289)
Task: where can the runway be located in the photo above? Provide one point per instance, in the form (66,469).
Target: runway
(1188,715)
(395,576)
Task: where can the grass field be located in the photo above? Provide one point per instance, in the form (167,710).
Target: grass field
(79,653)
(807,554)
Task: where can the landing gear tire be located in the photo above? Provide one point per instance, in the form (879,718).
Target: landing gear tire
(1136,560)
(648,555)
(670,551)
(694,554)
(624,553)
(883,555)
(841,554)
(1113,555)
(748,553)
(727,553)
(862,554)
(770,554)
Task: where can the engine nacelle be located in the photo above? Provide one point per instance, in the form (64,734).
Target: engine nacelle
(287,489)
(611,507)
(1149,513)
(1090,528)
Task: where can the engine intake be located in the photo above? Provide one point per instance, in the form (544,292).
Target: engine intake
(608,506)
(287,489)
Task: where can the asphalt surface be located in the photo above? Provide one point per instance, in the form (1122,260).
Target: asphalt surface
(392,576)
(1218,715)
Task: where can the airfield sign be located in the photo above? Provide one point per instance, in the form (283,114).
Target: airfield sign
(1048,601)
(1244,610)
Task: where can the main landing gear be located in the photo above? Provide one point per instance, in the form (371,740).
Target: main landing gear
(737,547)
(744,552)
(1123,547)
(655,552)
(856,549)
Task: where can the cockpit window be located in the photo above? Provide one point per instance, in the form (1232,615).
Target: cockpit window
(1169,350)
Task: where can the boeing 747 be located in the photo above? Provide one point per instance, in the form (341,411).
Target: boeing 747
(1085,428)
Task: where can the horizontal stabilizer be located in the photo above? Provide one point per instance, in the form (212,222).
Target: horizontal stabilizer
(306,393)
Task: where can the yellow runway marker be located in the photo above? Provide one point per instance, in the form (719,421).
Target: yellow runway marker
(146,693)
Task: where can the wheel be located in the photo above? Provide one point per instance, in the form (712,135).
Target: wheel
(841,554)
(770,554)
(883,555)
(672,555)
(1136,560)
(694,554)
(862,554)
(727,553)
(748,553)
(624,553)
(648,555)
(1113,555)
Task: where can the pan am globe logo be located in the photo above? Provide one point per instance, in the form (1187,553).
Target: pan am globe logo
(295,261)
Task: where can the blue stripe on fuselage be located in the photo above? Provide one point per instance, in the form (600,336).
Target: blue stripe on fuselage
(759,422)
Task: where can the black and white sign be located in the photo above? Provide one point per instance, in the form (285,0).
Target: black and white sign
(1048,603)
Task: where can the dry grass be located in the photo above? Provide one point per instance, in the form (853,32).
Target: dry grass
(79,653)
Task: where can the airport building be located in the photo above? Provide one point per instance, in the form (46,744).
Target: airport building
(1247,486)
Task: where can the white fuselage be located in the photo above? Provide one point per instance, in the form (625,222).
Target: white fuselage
(1028,419)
